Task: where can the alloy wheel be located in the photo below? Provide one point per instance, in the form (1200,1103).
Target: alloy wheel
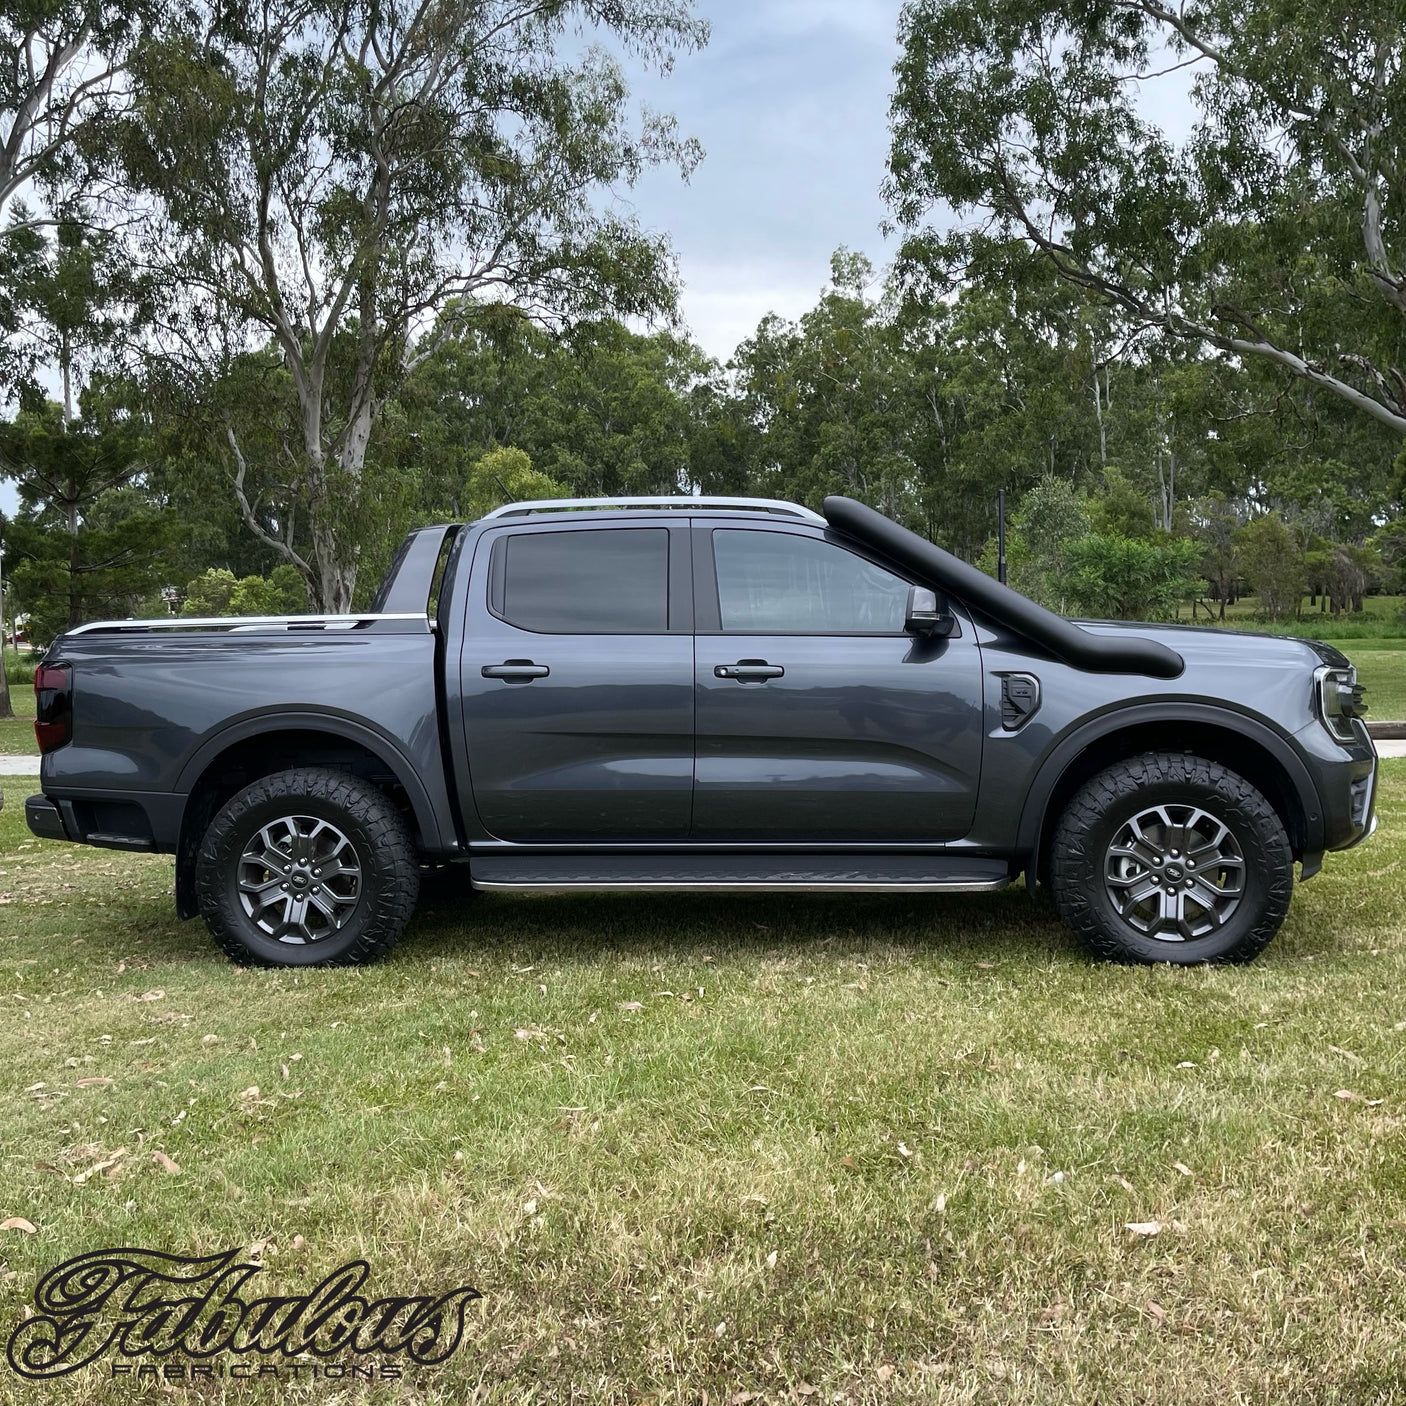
(1174,872)
(299,879)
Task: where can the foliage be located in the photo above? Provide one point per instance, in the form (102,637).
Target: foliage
(1269,233)
(1121,510)
(330,178)
(1050,519)
(597,408)
(219,592)
(61,65)
(88,540)
(507,476)
(1273,562)
(1131,578)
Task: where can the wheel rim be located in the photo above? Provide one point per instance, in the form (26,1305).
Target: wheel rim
(1174,873)
(299,879)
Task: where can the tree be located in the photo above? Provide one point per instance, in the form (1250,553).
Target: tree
(351,184)
(89,540)
(1051,518)
(1126,578)
(829,397)
(507,476)
(1271,233)
(63,290)
(218,591)
(1273,562)
(1120,510)
(596,407)
(61,80)
(1217,527)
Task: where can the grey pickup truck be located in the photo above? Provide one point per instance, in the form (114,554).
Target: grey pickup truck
(690,694)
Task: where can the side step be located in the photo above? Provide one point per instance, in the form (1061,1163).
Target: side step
(770,873)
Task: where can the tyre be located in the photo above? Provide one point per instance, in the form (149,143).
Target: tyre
(307,868)
(1167,857)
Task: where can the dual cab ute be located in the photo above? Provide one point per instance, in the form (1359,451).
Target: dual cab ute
(703,694)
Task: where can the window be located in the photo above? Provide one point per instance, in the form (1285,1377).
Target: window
(609,581)
(782,584)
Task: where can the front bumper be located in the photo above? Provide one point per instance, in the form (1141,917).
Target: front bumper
(1344,776)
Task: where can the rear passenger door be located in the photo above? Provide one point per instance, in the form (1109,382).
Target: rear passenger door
(819,718)
(577,679)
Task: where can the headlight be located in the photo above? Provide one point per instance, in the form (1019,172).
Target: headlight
(1339,697)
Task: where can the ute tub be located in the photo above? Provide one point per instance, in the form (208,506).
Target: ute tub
(1095,654)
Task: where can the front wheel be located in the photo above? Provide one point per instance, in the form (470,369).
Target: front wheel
(1168,857)
(309,867)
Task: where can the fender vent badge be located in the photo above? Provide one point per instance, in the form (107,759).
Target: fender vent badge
(1020,700)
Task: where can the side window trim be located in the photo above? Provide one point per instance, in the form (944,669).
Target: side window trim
(705,581)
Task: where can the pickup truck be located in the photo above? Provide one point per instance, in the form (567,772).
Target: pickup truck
(709,694)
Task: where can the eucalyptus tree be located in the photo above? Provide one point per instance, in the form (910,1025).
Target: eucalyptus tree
(351,182)
(62,78)
(1272,232)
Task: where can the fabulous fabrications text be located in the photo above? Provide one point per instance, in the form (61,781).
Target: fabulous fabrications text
(143,1303)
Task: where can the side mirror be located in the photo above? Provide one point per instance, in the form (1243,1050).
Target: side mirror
(928,614)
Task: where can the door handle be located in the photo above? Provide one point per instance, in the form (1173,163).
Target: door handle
(516,671)
(749,671)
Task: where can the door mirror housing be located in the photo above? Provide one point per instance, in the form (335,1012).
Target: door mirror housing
(928,614)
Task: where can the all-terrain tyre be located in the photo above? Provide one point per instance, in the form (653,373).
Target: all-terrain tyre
(1168,857)
(307,868)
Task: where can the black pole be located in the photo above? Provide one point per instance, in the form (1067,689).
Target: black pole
(1001,536)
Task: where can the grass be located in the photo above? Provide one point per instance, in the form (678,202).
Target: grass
(887,1149)
(1383,670)
(1382,617)
(17,733)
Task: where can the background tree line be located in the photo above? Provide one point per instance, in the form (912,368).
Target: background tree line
(281,281)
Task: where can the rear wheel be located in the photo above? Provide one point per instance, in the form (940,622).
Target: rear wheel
(1168,857)
(308,867)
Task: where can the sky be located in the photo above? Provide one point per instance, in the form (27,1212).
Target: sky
(790,102)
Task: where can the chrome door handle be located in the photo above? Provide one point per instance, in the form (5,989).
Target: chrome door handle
(516,671)
(749,671)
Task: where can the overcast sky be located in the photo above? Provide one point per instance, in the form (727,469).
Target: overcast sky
(790,101)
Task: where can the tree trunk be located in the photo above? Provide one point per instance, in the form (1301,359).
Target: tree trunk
(7,709)
(1098,413)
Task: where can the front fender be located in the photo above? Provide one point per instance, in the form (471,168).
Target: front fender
(1072,745)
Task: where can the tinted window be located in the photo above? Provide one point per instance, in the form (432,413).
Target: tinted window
(614,581)
(777,583)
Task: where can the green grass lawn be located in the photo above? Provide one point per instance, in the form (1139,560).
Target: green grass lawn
(1382,668)
(17,733)
(883,1148)
(1382,614)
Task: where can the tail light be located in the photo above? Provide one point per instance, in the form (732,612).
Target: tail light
(53,705)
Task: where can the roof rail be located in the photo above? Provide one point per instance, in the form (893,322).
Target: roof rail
(752,505)
(236,623)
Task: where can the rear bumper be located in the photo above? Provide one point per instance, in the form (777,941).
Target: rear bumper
(43,818)
(119,820)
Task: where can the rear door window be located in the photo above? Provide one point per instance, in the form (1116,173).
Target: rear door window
(606,581)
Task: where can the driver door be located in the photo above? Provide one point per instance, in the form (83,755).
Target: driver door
(818,717)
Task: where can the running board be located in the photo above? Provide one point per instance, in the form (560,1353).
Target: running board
(772,873)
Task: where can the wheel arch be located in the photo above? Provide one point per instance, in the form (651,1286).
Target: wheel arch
(1249,748)
(254,748)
